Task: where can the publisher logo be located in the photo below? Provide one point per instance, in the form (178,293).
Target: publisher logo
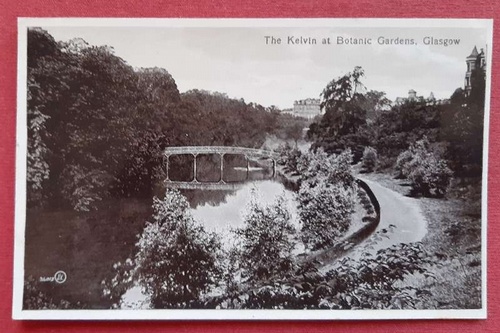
(59,277)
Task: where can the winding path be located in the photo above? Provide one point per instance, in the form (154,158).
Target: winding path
(400,211)
(397,212)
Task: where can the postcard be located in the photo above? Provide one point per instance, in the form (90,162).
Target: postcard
(228,169)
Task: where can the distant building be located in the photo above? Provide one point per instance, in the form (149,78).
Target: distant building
(412,97)
(287,111)
(307,108)
(473,61)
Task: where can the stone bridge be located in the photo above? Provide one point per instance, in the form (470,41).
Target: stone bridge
(249,153)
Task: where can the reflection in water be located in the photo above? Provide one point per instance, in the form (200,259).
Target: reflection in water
(211,168)
(238,174)
(227,215)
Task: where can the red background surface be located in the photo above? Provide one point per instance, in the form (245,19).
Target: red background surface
(10,10)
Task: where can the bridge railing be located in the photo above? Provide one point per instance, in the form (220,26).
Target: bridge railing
(219,150)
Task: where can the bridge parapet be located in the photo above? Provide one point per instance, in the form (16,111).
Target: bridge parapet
(196,150)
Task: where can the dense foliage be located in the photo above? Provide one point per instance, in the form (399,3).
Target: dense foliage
(97,127)
(367,283)
(267,241)
(357,119)
(177,260)
(181,266)
(326,198)
(291,158)
(425,168)
(369,161)
(342,101)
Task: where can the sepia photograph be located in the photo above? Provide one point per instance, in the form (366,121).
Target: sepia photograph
(251,168)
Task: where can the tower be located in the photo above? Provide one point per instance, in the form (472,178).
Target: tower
(412,95)
(475,60)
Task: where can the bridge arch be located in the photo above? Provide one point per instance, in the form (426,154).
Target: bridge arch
(249,153)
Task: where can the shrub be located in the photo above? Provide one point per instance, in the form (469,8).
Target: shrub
(403,159)
(283,151)
(425,169)
(289,157)
(303,163)
(177,259)
(292,161)
(430,177)
(335,169)
(325,210)
(369,159)
(326,198)
(267,241)
(368,283)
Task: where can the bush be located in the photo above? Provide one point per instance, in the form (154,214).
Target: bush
(325,210)
(292,162)
(283,151)
(430,177)
(177,259)
(403,159)
(289,157)
(268,239)
(335,168)
(303,163)
(369,159)
(326,198)
(368,283)
(425,169)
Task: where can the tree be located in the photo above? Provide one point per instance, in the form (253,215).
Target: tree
(267,241)
(98,126)
(87,99)
(342,102)
(464,130)
(395,129)
(42,49)
(157,103)
(478,85)
(295,132)
(177,260)
(375,102)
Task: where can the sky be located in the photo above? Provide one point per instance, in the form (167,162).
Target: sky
(237,61)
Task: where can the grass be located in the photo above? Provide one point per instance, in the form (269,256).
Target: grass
(454,238)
